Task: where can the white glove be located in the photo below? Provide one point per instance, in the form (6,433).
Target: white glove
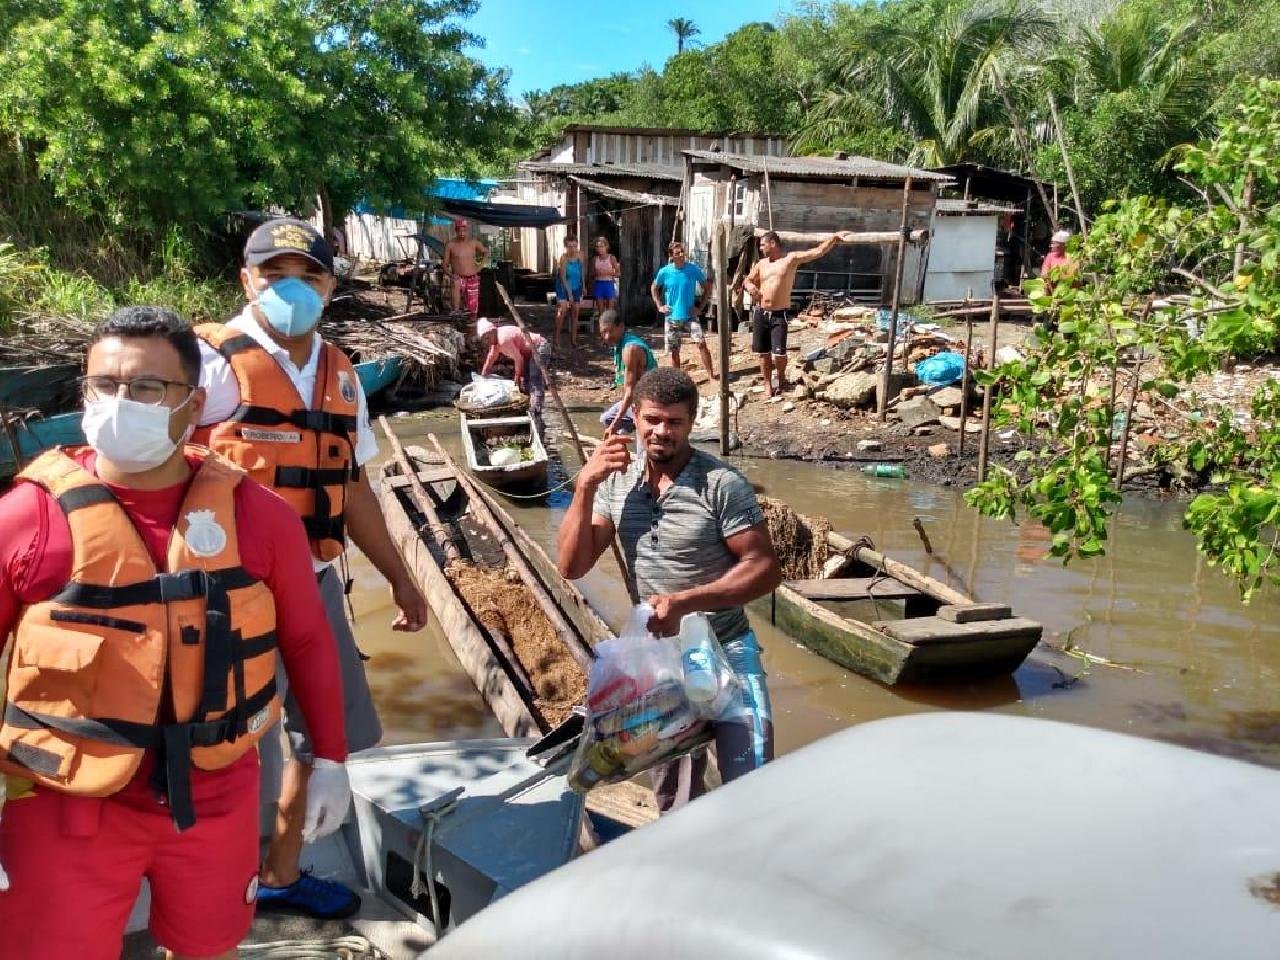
(4,877)
(328,797)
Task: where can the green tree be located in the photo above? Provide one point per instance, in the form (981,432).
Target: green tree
(931,69)
(1148,267)
(155,113)
(684,30)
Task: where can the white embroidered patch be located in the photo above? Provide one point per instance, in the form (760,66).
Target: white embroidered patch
(205,536)
(271,436)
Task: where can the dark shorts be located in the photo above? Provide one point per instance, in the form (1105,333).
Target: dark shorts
(769,331)
(604,290)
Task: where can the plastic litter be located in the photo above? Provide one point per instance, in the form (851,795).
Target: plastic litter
(941,369)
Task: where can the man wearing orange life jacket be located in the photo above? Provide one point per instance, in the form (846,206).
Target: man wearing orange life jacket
(288,408)
(145,625)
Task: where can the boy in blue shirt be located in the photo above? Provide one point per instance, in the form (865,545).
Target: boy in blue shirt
(675,292)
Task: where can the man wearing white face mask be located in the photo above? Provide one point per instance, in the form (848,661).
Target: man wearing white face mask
(288,408)
(145,629)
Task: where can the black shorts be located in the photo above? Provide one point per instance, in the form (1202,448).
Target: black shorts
(769,331)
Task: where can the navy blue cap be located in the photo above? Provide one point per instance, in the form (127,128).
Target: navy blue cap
(287,235)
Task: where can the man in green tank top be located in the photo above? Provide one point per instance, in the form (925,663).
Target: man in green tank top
(632,359)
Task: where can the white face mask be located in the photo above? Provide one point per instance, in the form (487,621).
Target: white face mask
(132,436)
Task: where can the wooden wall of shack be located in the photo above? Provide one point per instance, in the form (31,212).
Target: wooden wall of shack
(638,235)
(818,206)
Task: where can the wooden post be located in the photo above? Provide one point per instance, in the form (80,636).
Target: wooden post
(1111,411)
(564,413)
(722,318)
(768,194)
(1128,424)
(1066,162)
(964,380)
(882,401)
(984,442)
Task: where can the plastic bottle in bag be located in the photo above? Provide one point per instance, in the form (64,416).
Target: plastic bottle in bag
(708,681)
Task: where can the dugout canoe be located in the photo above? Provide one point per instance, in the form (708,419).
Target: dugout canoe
(522,430)
(890,622)
(376,375)
(472,523)
(33,436)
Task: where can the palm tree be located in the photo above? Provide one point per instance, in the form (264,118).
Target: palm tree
(934,76)
(684,30)
(1140,49)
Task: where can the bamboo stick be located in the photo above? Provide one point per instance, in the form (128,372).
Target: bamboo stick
(480,509)
(984,441)
(420,496)
(1066,162)
(1128,424)
(573,430)
(722,293)
(854,237)
(882,401)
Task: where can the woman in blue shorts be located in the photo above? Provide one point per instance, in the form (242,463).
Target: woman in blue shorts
(607,275)
(569,274)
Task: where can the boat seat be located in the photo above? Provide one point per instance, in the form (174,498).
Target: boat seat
(854,588)
(921,630)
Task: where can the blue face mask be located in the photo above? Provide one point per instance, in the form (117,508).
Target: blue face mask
(291,306)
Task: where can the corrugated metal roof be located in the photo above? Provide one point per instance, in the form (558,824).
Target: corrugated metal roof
(817,166)
(960,207)
(628,196)
(651,171)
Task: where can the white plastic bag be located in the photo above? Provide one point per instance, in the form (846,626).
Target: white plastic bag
(638,711)
(484,392)
(709,680)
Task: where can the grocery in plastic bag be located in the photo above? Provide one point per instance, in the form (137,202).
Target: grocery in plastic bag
(650,700)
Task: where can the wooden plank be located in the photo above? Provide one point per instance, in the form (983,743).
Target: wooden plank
(870,238)
(497,688)
(898,570)
(626,803)
(854,588)
(975,612)
(925,630)
(434,475)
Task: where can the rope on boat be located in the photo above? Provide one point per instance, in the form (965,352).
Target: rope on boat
(544,493)
(353,947)
(422,858)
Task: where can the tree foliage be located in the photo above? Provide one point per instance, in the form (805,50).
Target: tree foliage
(1151,268)
(152,113)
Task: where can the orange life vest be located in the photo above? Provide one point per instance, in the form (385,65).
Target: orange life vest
(306,455)
(90,667)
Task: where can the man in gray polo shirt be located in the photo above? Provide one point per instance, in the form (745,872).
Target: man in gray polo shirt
(695,541)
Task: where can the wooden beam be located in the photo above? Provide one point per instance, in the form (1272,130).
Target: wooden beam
(882,398)
(856,237)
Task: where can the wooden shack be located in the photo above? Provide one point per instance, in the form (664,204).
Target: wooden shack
(805,199)
(622,183)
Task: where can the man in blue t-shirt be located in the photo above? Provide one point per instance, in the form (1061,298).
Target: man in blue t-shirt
(675,291)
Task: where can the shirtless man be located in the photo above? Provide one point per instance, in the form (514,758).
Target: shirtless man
(462,259)
(769,284)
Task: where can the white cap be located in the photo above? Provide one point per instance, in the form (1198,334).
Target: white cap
(1062,236)
(484,325)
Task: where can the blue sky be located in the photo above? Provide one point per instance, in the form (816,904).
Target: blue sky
(548,42)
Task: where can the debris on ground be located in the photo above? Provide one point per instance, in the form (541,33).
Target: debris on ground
(503,603)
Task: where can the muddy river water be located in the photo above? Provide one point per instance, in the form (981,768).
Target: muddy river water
(1189,664)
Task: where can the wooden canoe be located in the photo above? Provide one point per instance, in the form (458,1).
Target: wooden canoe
(887,621)
(485,657)
(33,436)
(522,429)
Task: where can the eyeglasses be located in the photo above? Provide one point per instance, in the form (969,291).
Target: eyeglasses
(148,390)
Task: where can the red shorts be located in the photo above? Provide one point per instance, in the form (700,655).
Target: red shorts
(75,866)
(469,287)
